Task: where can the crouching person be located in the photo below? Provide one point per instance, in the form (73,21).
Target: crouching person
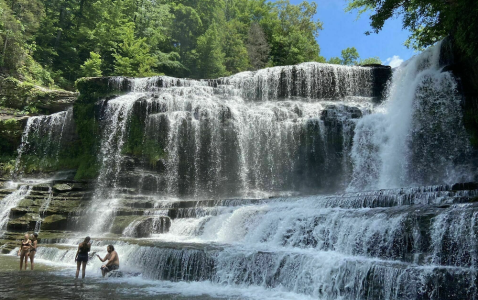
(113,261)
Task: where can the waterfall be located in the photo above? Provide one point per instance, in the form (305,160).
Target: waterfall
(294,182)
(417,136)
(10,202)
(43,209)
(231,138)
(42,140)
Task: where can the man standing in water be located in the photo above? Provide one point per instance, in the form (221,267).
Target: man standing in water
(112,258)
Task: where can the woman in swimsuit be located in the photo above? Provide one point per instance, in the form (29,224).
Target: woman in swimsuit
(24,251)
(33,249)
(82,256)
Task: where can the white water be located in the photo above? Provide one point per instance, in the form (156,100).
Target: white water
(417,136)
(10,202)
(43,208)
(282,249)
(42,138)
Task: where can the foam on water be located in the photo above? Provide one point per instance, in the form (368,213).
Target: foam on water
(417,136)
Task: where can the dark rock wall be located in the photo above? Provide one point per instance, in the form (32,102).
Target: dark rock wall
(466,70)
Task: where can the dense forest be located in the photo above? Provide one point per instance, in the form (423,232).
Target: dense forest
(54,42)
(49,42)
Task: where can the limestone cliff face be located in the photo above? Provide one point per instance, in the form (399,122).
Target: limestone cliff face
(20,95)
(18,102)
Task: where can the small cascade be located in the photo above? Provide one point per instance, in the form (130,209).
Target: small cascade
(42,140)
(309,81)
(43,208)
(116,117)
(417,136)
(10,202)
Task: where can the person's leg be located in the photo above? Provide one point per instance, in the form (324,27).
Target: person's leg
(103,271)
(26,259)
(21,260)
(32,258)
(78,265)
(83,271)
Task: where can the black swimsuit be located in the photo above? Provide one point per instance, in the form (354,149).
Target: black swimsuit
(83,254)
(29,244)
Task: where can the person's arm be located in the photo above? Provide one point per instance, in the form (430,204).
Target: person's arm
(35,244)
(112,259)
(77,251)
(104,259)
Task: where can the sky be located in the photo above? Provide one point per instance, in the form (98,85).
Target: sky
(342,29)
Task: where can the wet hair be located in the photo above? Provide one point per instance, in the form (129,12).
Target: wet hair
(35,234)
(84,244)
(111,247)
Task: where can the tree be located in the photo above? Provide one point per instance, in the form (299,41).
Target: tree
(92,66)
(210,56)
(235,52)
(335,61)
(428,20)
(257,47)
(134,58)
(350,56)
(370,61)
(293,33)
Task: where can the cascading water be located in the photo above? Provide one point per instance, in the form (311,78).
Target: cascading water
(43,209)
(10,202)
(187,168)
(417,136)
(42,140)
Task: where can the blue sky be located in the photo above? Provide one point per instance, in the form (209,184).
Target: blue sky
(342,30)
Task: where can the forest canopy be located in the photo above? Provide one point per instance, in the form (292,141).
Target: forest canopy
(63,40)
(58,41)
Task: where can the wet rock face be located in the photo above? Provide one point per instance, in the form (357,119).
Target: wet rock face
(142,229)
(145,226)
(17,95)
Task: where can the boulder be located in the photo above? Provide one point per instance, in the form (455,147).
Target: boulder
(161,225)
(139,228)
(145,226)
(54,222)
(62,187)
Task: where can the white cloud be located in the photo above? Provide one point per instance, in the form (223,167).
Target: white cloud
(394,61)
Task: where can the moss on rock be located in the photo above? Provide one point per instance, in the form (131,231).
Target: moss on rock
(54,222)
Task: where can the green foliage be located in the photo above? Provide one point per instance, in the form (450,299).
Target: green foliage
(350,56)
(210,55)
(63,40)
(134,58)
(370,61)
(92,66)
(335,61)
(428,20)
(293,33)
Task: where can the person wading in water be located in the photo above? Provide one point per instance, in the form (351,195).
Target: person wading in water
(81,257)
(112,258)
(33,249)
(24,251)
